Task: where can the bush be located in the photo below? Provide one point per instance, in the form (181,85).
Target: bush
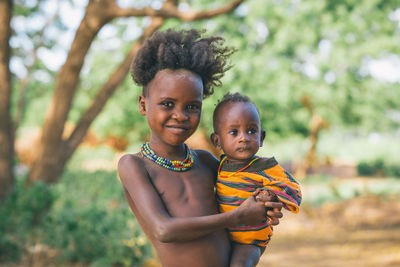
(366,169)
(20,212)
(393,170)
(84,216)
(90,222)
(378,167)
(9,251)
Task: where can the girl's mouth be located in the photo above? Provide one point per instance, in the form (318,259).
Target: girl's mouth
(177,128)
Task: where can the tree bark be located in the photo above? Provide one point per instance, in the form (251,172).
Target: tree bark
(6,129)
(54,152)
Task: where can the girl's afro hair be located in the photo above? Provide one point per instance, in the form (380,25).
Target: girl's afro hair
(207,57)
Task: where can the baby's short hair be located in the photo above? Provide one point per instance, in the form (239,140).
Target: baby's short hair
(229,97)
(207,57)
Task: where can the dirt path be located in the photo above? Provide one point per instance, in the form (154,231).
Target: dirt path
(363,231)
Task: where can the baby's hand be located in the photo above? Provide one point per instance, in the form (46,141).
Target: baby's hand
(272,206)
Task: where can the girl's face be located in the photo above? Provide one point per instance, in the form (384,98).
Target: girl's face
(238,131)
(172,106)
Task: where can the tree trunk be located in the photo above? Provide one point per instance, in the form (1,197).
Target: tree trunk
(316,124)
(6,129)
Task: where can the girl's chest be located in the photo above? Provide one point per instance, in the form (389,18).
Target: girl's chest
(189,193)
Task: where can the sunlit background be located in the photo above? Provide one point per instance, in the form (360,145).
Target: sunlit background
(325,76)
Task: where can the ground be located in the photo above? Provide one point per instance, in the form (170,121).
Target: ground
(364,231)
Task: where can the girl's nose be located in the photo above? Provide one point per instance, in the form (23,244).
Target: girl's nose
(180,115)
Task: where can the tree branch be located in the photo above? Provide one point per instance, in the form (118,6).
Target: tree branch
(171,11)
(108,88)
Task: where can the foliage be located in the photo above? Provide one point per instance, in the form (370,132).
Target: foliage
(321,49)
(18,214)
(378,167)
(92,216)
(88,221)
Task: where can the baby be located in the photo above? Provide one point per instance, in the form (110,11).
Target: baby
(238,133)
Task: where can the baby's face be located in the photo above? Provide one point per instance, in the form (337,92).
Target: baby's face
(238,131)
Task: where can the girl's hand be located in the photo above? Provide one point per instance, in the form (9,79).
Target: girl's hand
(270,201)
(250,212)
(275,214)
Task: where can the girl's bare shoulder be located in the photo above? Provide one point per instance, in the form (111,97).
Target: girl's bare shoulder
(207,158)
(130,164)
(131,159)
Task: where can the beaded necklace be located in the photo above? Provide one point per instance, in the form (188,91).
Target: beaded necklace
(173,165)
(245,167)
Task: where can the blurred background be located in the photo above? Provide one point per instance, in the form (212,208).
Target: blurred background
(324,74)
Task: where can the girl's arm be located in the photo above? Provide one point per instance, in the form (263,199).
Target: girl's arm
(172,229)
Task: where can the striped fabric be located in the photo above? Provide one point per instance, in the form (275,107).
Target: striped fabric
(235,187)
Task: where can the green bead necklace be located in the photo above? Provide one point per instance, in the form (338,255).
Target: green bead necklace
(173,165)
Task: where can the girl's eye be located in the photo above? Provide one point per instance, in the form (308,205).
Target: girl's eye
(193,107)
(233,132)
(167,104)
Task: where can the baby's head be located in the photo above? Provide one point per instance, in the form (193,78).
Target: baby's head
(237,128)
(177,69)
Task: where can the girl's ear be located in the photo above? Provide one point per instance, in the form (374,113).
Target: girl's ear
(262,137)
(215,140)
(142,105)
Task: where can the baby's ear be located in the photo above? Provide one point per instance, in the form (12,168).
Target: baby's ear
(142,105)
(215,140)
(262,137)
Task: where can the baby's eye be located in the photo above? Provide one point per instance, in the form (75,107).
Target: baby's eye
(252,131)
(233,132)
(167,104)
